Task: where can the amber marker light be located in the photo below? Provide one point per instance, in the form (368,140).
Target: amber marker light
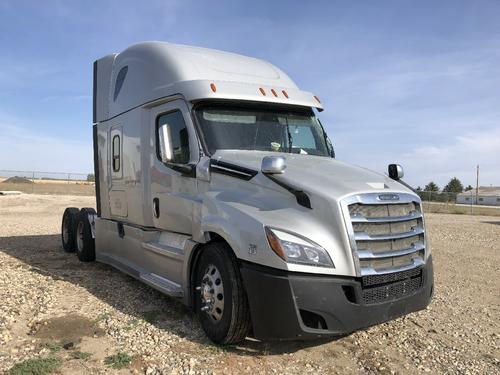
(317,99)
(275,244)
(262,91)
(274,93)
(212,86)
(285,93)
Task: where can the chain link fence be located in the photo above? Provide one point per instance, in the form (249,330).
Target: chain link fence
(40,182)
(458,203)
(73,183)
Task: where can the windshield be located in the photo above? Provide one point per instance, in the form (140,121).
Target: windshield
(252,128)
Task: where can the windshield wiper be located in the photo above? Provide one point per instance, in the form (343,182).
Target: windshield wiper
(290,139)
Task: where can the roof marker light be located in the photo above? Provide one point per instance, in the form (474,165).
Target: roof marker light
(274,93)
(284,93)
(212,86)
(317,99)
(262,91)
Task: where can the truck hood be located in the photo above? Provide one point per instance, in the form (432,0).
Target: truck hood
(314,175)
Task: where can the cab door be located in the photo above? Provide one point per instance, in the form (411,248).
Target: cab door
(173,167)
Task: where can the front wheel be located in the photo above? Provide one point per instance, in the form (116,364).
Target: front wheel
(220,299)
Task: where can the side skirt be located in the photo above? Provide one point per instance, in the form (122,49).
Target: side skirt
(158,258)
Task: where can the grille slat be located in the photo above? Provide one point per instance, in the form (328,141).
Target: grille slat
(363,236)
(366,254)
(357,218)
(382,210)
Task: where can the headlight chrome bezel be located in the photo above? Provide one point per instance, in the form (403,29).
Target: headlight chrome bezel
(296,249)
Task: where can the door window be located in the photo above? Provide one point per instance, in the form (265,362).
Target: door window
(116,153)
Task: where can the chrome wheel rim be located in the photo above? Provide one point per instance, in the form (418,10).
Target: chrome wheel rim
(212,293)
(79,236)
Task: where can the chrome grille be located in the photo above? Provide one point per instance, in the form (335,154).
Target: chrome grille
(386,236)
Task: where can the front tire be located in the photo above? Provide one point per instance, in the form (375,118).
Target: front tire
(85,244)
(220,301)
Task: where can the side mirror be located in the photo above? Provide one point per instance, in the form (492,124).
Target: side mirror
(165,143)
(273,165)
(395,171)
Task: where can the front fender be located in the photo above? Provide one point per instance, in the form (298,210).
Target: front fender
(241,227)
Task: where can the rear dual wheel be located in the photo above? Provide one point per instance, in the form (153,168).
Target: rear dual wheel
(220,298)
(76,233)
(68,229)
(85,244)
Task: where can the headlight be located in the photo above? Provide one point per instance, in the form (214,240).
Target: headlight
(294,249)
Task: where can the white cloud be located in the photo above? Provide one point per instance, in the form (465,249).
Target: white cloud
(440,162)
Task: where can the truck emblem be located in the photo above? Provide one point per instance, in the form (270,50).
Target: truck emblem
(388,197)
(252,249)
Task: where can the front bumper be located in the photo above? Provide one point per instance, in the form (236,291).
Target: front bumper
(287,305)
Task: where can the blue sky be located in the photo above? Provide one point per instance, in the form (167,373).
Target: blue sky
(414,82)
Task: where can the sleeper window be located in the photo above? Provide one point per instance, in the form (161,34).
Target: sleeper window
(179,139)
(120,78)
(116,153)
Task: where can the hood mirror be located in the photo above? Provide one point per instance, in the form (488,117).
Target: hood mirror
(395,171)
(273,164)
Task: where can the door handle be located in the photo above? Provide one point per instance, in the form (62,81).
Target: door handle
(156,207)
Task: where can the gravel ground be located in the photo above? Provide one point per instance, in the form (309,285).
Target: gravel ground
(54,306)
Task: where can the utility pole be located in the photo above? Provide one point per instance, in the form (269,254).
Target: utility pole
(477,185)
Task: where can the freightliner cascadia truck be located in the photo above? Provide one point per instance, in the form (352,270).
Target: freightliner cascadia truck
(216,184)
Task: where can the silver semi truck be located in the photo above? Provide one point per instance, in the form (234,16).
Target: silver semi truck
(217,184)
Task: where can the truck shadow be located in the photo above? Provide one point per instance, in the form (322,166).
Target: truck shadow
(44,254)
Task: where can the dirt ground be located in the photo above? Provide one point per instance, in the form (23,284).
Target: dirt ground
(52,306)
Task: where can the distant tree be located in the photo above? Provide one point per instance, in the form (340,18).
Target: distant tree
(90,177)
(431,186)
(468,188)
(418,188)
(454,186)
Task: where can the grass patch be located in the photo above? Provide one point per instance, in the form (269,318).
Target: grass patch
(102,317)
(81,355)
(118,361)
(36,366)
(54,347)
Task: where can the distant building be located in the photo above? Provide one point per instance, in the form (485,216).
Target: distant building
(487,196)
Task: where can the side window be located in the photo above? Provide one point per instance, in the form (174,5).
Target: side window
(116,153)
(120,78)
(172,138)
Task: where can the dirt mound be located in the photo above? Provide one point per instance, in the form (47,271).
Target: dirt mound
(17,180)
